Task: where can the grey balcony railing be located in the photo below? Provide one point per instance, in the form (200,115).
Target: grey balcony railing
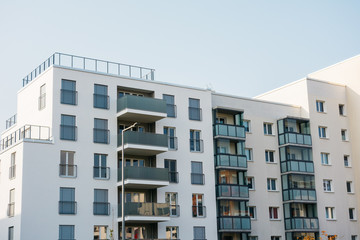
(145,209)
(144,138)
(68,132)
(91,65)
(195,113)
(30,132)
(141,103)
(68,97)
(67,170)
(172,143)
(227,130)
(230,160)
(198,178)
(299,195)
(101,135)
(101,173)
(232,191)
(145,173)
(101,101)
(295,138)
(11,121)
(173,177)
(301,223)
(234,223)
(297,166)
(199,211)
(67,207)
(101,208)
(11,209)
(196,145)
(171,110)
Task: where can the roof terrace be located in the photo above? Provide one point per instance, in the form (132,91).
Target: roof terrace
(90,65)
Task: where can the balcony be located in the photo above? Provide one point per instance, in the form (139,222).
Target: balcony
(140,109)
(101,208)
(143,143)
(144,177)
(145,212)
(67,207)
(234,224)
(229,131)
(232,192)
(67,170)
(225,160)
(308,195)
(295,138)
(297,166)
(303,224)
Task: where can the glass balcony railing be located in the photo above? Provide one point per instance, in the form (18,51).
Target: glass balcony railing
(230,160)
(301,224)
(226,130)
(145,173)
(295,138)
(234,223)
(67,170)
(297,166)
(101,136)
(299,195)
(101,208)
(141,103)
(101,172)
(145,209)
(67,207)
(195,113)
(232,191)
(101,101)
(144,138)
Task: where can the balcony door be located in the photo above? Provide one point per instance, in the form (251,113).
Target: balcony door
(197,202)
(172,199)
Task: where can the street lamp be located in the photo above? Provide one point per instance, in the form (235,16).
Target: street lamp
(123,181)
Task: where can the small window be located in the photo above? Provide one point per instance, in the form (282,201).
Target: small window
(68,92)
(323,132)
(247,125)
(172,233)
(198,208)
(196,143)
(101,203)
(67,204)
(344,136)
(66,232)
(68,127)
(347,161)
(325,159)
(42,97)
(352,214)
(249,154)
(271,184)
(11,233)
(101,171)
(100,232)
(12,170)
(327,185)
(101,131)
(341,109)
(67,166)
(252,212)
(199,233)
(194,109)
(275,237)
(269,156)
(251,183)
(101,98)
(268,128)
(170,105)
(330,213)
(273,213)
(354,237)
(349,187)
(320,106)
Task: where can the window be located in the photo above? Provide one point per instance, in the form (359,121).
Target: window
(251,183)
(275,237)
(330,213)
(194,109)
(268,128)
(173,174)
(199,233)
(11,233)
(349,187)
(341,109)
(322,132)
(197,176)
(11,206)
(42,97)
(269,156)
(101,171)
(101,98)
(247,125)
(196,144)
(170,105)
(253,238)
(172,140)
(320,106)
(68,92)
(12,170)
(352,214)
(67,167)
(68,127)
(353,237)
(346,160)
(100,232)
(198,208)
(344,136)
(252,212)
(248,153)
(172,232)
(172,199)
(327,184)
(67,204)
(101,132)
(271,184)
(101,203)
(325,159)
(66,232)
(273,213)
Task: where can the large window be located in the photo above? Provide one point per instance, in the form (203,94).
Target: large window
(12,170)
(194,109)
(196,144)
(197,176)
(66,232)
(101,98)
(173,174)
(101,171)
(68,127)
(199,233)
(68,92)
(172,140)
(170,105)
(101,131)
(198,208)
(101,203)
(67,167)
(172,232)
(42,97)
(67,204)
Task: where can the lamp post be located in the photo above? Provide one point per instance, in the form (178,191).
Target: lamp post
(123,181)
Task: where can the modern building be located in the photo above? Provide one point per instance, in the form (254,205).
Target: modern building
(198,164)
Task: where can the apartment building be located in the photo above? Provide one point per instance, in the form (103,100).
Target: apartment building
(197,164)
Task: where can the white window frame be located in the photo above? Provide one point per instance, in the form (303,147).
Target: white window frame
(325,158)
(348,161)
(323,132)
(269,183)
(326,184)
(351,186)
(266,128)
(252,181)
(344,135)
(268,153)
(271,213)
(353,214)
(250,151)
(254,212)
(320,106)
(330,213)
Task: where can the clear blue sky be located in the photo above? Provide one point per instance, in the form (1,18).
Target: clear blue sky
(238,47)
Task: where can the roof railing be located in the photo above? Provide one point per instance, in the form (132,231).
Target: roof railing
(11,121)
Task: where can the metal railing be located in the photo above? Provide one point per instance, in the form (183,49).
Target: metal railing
(92,65)
(12,172)
(11,121)
(101,101)
(199,211)
(145,173)
(68,132)
(232,191)
(11,209)
(101,173)
(101,208)
(231,160)
(171,110)
(174,210)
(299,195)
(141,103)
(228,130)
(101,135)
(67,207)
(195,113)
(144,138)
(172,143)
(297,166)
(302,223)
(234,223)
(295,138)
(148,209)
(196,145)
(173,177)
(68,97)
(198,178)
(67,170)
(31,132)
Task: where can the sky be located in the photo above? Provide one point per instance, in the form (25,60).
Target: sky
(236,47)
